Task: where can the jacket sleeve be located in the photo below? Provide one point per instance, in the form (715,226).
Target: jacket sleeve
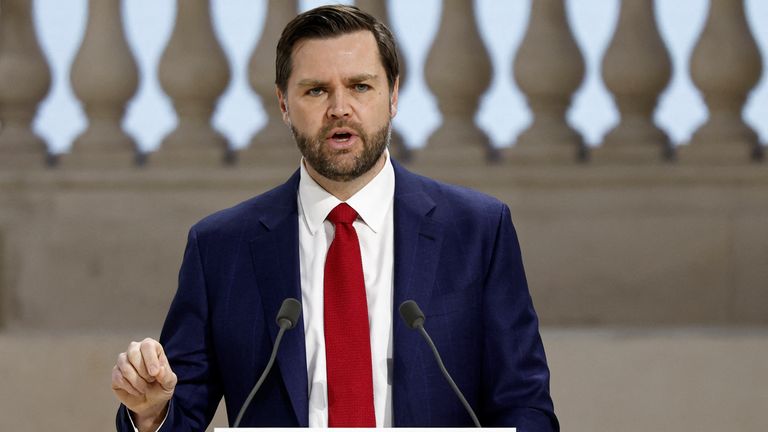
(515,376)
(186,339)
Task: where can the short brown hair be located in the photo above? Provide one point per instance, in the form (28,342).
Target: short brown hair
(327,22)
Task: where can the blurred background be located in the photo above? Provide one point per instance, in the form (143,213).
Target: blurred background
(628,138)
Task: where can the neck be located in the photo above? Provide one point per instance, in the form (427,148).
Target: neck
(343,190)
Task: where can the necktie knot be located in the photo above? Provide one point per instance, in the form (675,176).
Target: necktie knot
(342,213)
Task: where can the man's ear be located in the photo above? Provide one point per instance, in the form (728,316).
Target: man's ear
(283,105)
(393,98)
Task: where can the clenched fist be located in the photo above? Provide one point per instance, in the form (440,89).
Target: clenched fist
(143,381)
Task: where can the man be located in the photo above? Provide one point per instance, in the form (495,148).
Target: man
(352,234)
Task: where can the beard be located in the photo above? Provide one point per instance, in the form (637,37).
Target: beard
(329,164)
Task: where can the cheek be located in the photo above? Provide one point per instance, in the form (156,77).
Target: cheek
(301,117)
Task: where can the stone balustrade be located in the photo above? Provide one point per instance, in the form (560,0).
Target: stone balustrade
(549,68)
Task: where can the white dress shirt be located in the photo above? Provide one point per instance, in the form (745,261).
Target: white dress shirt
(375,231)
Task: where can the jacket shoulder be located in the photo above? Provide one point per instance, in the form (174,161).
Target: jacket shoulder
(452,201)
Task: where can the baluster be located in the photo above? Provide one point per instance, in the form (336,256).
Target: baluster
(24,82)
(379,9)
(725,66)
(548,69)
(272,145)
(458,71)
(636,69)
(194,72)
(104,77)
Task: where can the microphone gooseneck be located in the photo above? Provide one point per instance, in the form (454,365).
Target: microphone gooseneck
(287,318)
(414,318)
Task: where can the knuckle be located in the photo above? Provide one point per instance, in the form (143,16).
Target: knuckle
(134,358)
(116,375)
(124,370)
(132,354)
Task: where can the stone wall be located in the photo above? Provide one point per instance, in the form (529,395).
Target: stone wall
(605,244)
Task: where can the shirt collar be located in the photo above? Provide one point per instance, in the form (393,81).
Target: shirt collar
(371,203)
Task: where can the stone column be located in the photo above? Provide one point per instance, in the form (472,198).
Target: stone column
(458,72)
(24,82)
(272,145)
(379,9)
(725,66)
(194,72)
(104,77)
(636,68)
(548,69)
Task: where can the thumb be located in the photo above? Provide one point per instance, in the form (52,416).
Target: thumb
(167,378)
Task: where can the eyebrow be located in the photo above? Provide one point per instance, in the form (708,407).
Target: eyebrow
(311,83)
(355,79)
(361,78)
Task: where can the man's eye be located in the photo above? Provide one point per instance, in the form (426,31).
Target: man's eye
(362,88)
(317,91)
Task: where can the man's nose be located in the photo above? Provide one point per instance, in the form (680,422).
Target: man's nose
(339,106)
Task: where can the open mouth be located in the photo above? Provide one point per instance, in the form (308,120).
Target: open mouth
(341,136)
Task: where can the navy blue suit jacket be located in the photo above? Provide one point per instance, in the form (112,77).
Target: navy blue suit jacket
(456,255)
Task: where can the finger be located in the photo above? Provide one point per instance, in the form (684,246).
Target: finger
(120,383)
(167,379)
(150,352)
(135,357)
(163,359)
(129,374)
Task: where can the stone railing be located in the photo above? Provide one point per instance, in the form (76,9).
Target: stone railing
(639,234)
(548,69)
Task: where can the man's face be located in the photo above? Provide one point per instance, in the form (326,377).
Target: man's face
(337,103)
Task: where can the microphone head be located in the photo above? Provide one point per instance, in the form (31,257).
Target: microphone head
(289,313)
(412,314)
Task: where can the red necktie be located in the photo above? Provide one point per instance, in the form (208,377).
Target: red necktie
(347,334)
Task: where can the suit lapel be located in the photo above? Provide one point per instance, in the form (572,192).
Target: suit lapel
(275,254)
(418,240)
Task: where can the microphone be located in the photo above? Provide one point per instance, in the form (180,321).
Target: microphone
(414,318)
(287,317)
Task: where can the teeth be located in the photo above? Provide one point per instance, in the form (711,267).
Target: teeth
(342,137)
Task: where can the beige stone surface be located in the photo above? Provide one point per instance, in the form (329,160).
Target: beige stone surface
(610,379)
(675,379)
(666,245)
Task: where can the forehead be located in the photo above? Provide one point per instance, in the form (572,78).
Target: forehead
(340,56)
